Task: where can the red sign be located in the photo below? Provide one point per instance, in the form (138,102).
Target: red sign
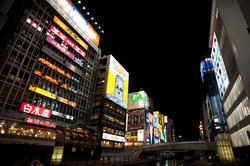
(35,110)
(36,121)
(66,40)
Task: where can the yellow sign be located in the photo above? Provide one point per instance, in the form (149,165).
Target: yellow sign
(117,83)
(42,92)
(70,32)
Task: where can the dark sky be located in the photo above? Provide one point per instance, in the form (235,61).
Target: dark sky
(160,44)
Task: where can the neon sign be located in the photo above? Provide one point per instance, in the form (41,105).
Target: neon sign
(54,67)
(35,110)
(70,32)
(51,95)
(62,48)
(40,122)
(44,61)
(42,92)
(68,41)
(50,79)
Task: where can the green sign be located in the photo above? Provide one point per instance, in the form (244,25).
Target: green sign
(136,97)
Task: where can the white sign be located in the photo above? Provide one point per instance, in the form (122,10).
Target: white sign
(140,135)
(113,137)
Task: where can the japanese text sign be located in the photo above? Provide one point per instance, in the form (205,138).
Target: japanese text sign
(35,110)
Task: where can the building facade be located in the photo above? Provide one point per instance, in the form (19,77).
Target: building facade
(229,43)
(139,125)
(111,100)
(48,74)
(215,116)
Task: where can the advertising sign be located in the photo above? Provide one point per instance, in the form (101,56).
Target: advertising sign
(51,95)
(136,119)
(219,67)
(35,110)
(117,83)
(155,120)
(68,41)
(165,119)
(64,50)
(113,137)
(138,100)
(140,135)
(150,118)
(42,92)
(70,32)
(40,122)
(74,17)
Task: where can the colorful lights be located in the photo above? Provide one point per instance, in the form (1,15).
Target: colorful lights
(40,122)
(51,95)
(66,40)
(42,92)
(70,32)
(54,67)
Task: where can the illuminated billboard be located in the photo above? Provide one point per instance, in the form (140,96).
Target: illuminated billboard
(68,41)
(219,67)
(35,110)
(112,137)
(70,32)
(155,120)
(117,83)
(74,17)
(138,100)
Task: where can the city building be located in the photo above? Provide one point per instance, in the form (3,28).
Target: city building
(213,112)
(170,131)
(111,102)
(49,68)
(229,42)
(140,120)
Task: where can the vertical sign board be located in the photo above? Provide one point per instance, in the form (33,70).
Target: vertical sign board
(117,83)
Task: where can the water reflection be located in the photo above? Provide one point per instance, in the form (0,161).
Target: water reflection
(168,163)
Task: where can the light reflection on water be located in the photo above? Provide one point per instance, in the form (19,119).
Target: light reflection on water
(168,163)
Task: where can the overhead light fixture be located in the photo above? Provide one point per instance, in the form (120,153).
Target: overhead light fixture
(83,7)
(88,13)
(79,2)
(95,23)
(92,18)
(102,31)
(99,27)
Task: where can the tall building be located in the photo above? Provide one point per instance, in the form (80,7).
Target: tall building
(170,131)
(229,43)
(49,66)
(214,113)
(140,120)
(110,107)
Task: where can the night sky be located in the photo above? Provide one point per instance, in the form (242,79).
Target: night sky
(160,44)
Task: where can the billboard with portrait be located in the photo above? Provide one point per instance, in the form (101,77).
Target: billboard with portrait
(117,83)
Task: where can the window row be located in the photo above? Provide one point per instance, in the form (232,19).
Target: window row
(234,94)
(241,111)
(112,131)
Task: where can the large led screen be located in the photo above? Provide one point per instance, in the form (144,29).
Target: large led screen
(117,83)
(219,67)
